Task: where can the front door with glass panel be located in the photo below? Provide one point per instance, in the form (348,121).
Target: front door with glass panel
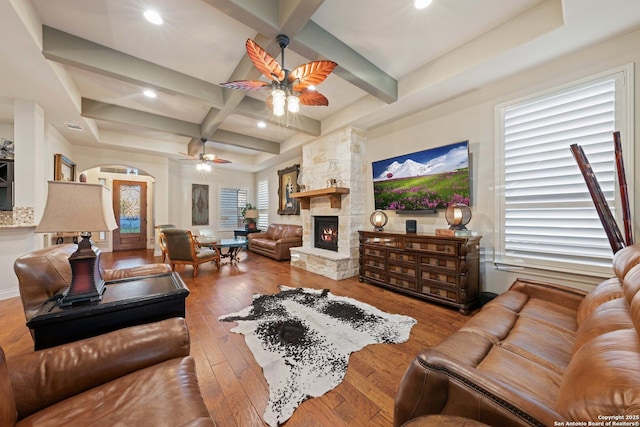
(130,207)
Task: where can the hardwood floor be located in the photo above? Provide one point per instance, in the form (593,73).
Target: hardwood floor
(231,381)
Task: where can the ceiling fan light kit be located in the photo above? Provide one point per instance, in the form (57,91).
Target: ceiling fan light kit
(288,88)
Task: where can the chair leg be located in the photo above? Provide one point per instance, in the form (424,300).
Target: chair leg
(195,270)
(173,267)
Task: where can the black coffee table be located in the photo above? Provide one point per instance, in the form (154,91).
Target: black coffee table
(125,303)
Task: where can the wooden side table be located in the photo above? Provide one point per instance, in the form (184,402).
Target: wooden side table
(125,303)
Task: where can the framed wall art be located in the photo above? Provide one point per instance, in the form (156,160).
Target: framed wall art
(288,183)
(199,204)
(63,168)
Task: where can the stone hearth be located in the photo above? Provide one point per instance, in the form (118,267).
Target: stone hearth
(348,148)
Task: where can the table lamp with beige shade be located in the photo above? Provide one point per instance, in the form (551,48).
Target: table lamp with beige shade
(74,207)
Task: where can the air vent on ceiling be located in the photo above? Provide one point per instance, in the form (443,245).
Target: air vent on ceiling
(73,126)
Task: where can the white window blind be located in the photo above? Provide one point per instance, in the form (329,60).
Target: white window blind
(232,200)
(263,204)
(548,219)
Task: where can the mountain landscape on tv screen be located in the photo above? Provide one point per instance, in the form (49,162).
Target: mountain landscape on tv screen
(429,179)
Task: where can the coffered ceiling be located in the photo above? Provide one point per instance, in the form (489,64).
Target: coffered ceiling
(87,62)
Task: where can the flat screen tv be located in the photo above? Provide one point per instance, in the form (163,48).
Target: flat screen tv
(426,180)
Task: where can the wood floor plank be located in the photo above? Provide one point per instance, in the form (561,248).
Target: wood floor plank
(232,383)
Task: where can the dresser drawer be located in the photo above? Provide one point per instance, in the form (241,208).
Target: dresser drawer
(405,269)
(395,256)
(374,251)
(440,263)
(374,273)
(435,246)
(402,281)
(373,262)
(449,293)
(391,242)
(440,277)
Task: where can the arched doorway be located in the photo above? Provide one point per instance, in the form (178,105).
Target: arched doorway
(132,195)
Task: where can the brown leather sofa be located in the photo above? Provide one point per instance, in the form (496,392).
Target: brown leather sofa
(538,354)
(138,376)
(46,272)
(276,241)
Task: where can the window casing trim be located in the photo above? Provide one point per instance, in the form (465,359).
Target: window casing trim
(624,122)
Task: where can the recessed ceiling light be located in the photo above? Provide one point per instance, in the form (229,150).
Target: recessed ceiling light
(262,124)
(153,17)
(311,87)
(422,4)
(149,93)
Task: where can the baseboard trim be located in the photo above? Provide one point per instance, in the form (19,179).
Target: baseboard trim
(9,293)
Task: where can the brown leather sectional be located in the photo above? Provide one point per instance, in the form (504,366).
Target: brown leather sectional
(138,376)
(276,241)
(538,354)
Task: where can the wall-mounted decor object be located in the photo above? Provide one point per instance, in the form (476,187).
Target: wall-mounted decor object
(6,149)
(63,168)
(423,181)
(607,218)
(199,204)
(288,183)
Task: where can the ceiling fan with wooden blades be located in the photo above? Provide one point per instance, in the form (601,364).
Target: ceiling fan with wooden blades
(288,88)
(205,158)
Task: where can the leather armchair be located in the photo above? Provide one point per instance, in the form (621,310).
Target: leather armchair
(184,249)
(44,273)
(276,241)
(141,375)
(161,239)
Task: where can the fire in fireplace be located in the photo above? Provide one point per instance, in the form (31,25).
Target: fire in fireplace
(325,234)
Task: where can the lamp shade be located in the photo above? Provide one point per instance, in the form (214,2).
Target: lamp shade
(77,207)
(251,214)
(458,215)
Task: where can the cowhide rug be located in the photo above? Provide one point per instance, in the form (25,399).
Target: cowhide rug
(302,339)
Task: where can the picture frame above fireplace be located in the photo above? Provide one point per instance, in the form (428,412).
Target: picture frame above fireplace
(287,184)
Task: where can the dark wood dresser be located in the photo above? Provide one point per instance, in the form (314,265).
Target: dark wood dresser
(435,268)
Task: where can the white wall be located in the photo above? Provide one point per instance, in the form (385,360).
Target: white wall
(35,161)
(472,117)
(184,175)
(272,175)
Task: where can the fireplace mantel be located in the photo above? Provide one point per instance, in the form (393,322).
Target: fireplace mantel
(334,194)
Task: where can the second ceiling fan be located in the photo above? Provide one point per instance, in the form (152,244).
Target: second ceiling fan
(205,159)
(289,89)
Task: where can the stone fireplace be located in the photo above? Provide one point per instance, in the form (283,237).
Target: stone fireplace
(325,232)
(341,261)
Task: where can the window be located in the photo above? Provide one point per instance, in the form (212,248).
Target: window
(546,218)
(263,204)
(232,200)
